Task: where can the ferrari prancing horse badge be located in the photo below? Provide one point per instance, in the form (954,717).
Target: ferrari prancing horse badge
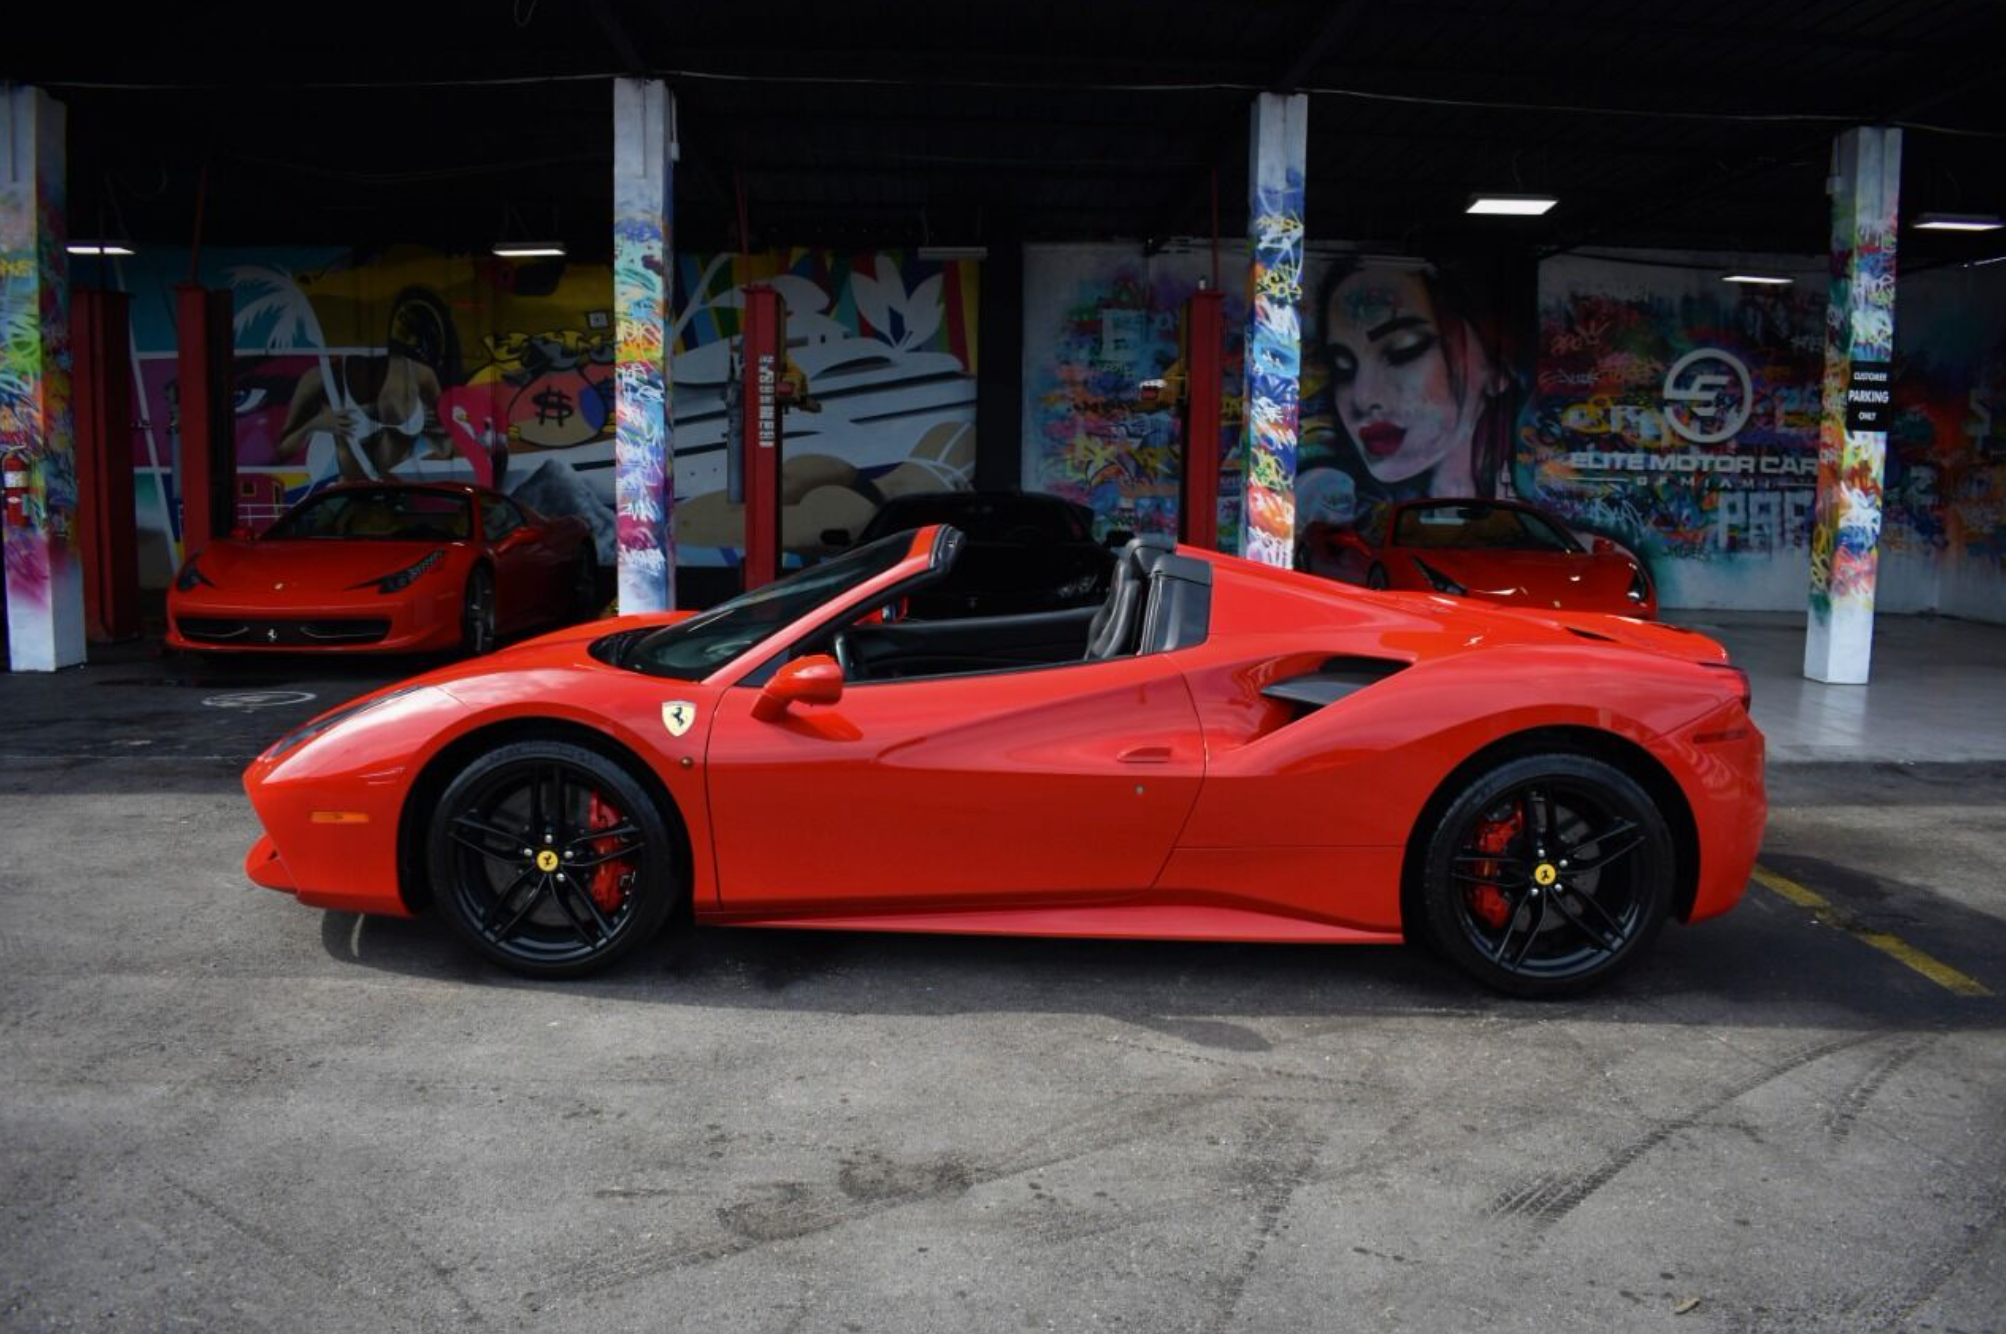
(677,715)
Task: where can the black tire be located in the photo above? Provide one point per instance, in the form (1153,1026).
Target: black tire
(1548,875)
(586,602)
(477,613)
(506,844)
(1376,577)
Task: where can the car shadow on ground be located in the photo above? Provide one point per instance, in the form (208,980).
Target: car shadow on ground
(1767,965)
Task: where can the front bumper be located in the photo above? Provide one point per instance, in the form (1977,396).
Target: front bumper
(371,622)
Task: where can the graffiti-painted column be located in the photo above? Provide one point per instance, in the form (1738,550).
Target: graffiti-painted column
(644,152)
(1853,425)
(1274,327)
(45,587)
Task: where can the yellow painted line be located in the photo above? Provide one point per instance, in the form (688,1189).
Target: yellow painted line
(1894,947)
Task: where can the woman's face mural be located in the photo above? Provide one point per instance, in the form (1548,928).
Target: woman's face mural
(1408,392)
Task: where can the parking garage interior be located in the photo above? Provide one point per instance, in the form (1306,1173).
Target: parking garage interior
(406,244)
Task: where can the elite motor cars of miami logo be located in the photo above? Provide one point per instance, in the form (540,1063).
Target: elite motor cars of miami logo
(1708,395)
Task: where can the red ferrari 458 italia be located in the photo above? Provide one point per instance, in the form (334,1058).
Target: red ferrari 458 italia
(387,567)
(1220,751)
(1497,550)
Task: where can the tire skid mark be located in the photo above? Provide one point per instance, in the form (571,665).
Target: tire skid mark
(792,1210)
(1238,1067)
(1277,1161)
(264,1236)
(1840,1119)
(1548,1198)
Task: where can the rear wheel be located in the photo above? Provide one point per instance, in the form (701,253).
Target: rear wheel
(1548,874)
(477,613)
(551,860)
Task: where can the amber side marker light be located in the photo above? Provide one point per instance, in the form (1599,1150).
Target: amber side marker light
(340,817)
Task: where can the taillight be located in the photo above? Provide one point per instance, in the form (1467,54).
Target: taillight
(1743,691)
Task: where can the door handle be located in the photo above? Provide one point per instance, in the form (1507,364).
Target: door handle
(1145,755)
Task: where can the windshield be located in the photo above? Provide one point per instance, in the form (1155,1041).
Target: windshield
(693,649)
(1487,527)
(386,514)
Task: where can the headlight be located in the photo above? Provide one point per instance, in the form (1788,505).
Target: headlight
(404,578)
(1442,583)
(191,575)
(306,732)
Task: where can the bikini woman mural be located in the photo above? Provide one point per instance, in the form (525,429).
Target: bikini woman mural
(1419,396)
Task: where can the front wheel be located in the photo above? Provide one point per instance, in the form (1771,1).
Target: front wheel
(1549,874)
(551,860)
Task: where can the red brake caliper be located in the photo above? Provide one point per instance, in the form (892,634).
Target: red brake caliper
(1494,839)
(609,878)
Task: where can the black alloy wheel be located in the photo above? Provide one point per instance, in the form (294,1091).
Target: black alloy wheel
(477,613)
(550,859)
(1548,874)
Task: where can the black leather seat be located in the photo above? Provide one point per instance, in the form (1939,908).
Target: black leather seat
(1117,627)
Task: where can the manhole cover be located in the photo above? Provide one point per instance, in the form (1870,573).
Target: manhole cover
(258,699)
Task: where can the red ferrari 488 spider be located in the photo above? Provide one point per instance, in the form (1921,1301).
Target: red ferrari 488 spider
(387,567)
(1220,751)
(1497,550)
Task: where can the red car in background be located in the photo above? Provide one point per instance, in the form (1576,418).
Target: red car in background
(1496,550)
(387,567)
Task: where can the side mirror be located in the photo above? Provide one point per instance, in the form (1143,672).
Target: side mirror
(835,537)
(816,679)
(1117,538)
(1602,546)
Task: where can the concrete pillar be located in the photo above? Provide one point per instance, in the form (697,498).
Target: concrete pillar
(644,459)
(45,587)
(1857,407)
(1273,373)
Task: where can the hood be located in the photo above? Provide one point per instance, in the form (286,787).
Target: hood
(1547,580)
(324,565)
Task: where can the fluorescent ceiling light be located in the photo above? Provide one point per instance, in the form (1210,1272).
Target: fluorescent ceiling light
(1959,222)
(954,252)
(97,248)
(530,249)
(1759,279)
(1519,206)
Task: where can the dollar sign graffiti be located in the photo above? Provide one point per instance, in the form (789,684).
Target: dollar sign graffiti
(552,405)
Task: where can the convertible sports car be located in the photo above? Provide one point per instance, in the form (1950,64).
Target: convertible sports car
(386,567)
(1497,550)
(1220,751)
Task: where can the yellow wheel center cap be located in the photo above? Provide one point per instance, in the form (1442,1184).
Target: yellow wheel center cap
(1545,874)
(546,861)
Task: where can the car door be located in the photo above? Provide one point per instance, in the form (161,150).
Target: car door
(1016,787)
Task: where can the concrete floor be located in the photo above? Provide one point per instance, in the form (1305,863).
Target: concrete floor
(221,1111)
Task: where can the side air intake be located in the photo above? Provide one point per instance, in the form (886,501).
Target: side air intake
(1331,682)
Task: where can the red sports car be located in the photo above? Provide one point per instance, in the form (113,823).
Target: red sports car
(1221,751)
(1498,550)
(387,567)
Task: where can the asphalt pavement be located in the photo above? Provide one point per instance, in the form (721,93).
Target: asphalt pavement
(222,1111)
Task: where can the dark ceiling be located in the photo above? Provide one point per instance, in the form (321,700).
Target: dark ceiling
(1703,124)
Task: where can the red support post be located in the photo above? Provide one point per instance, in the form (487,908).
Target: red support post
(762,361)
(1198,496)
(107,529)
(208,424)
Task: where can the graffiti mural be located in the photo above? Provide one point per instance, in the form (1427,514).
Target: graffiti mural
(1859,332)
(1104,374)
(37,445)
(413,363)
(1272,365)
(1679,415)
